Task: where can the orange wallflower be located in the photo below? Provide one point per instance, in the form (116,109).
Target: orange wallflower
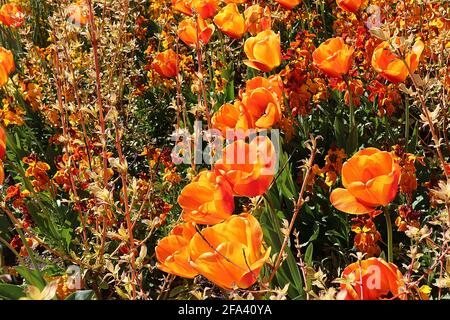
(11,15)
(248,167)
(230,253)
(2,143)
(371,279)
(78,12)
(16,195)
(263,51)
(333,57)
(165,63)
(392,67)
(208,199)
(37,170)
(349,5)
(172,251)
(7,65)
(205,8)
(183,6)
(289,4)
(366,235)
(257,19)
(226,117)
(406,161)
(261,107)
(230,21)
(187,31)
(370,179)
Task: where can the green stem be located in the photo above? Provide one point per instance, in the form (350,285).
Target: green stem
(389,233)
(350,96)
(353,136)
(406,122)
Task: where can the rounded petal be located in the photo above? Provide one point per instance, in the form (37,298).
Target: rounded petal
(344,201)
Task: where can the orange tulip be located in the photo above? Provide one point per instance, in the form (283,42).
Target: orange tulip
(370,179)
(188,29)
(230,21)
(183,6)
(263,51)
(11,15)
(7,65)
(172,251)
(390,66)
(230,253)
(273,84)
(289,4)
(333,57)
(374,279)
(257,19)
(349,5)
(2,143)
(205,8)
(226,117)
(165,63)
(248,167)
(262,108)
(78,12)
(208,199)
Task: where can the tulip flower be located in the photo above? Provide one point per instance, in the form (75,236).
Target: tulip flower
(263,51)
(230,21)
(370,179)
(333,57)
(349,5)
(7,65)
(392,67)
(230,253)
(273,83)
(165,63)
(248,167)
(372,279)
(205,8)
(78,12)
(262,108)
(208,199)
(183,6)
(11,15)
(226,117)
(289,4)
(172,251)
(188,30)
(257,19)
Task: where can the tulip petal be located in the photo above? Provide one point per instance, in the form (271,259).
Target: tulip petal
(251,276)
(344,201)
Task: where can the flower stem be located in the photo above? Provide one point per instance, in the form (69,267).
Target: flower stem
(298,205)
(389,233)
(406,122)
(353,135)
